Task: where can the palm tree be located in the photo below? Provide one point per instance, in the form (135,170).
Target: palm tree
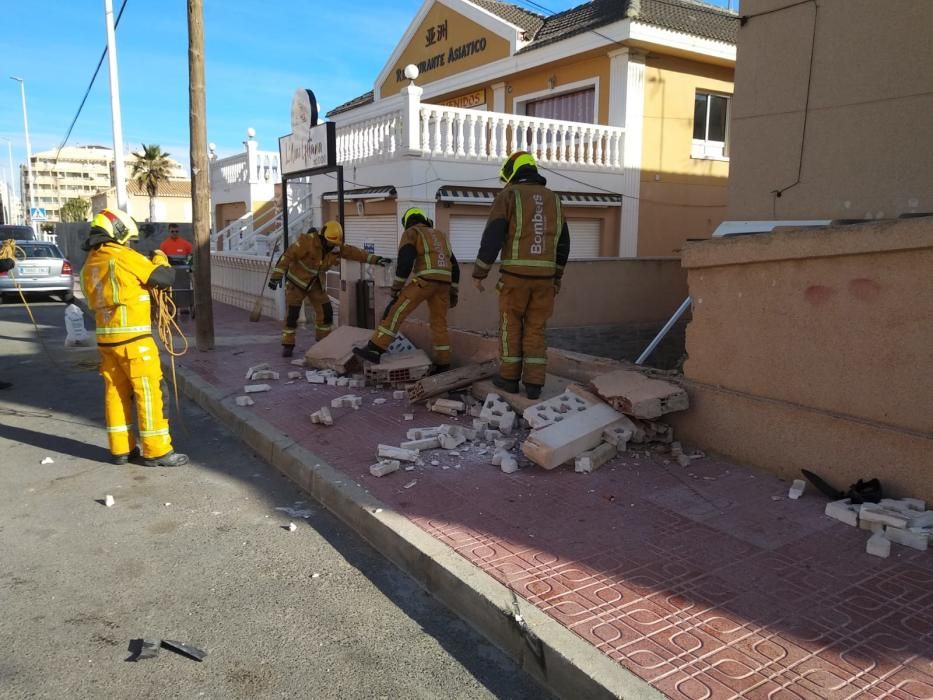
(150,169)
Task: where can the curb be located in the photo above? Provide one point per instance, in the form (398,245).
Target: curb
(553,655)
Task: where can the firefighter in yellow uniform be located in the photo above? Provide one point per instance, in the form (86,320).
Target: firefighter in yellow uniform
(116,281)
(304,266)
(527,226)
(424,253)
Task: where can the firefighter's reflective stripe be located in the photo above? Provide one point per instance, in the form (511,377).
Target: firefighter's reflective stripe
(504,338)
(479,263)
(146,419)
(429,271)
(519,228)
(153,433)
(549,264)
(124,329)
(118,428)
(536,360)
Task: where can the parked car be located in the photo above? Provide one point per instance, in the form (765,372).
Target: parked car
(17,233)
(40,267)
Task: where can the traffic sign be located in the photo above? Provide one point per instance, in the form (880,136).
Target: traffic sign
(37,214)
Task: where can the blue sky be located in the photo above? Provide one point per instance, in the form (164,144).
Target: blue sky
(256,55)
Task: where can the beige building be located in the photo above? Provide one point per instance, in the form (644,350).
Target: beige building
(172,202)
(76,171)
(649,81)
(832,110)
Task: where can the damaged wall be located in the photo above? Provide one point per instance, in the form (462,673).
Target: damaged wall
(814,349)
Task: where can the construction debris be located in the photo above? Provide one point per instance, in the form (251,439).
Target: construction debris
(384,466)
(843,511)
(421,433)
(294,375)
(322,416)
(498,413)
(442,409)
(410,484)
(797,488)
(342,381)
(580,431)
(256,368)
(315,377)
(379,401)
(244,401)
(915,540)
(398,370)
(109,501)
(291,527)
(509,465)
(398,395)
(592,460)
(554,410)
(634,394)
(391,452)
(256,388)
(184,649)
(265,374)
(451,441)
(903,521)
(430,443)
(878,546)
(47,460)
(335,352)
(347,401)
(439,384)
(457,406)
(408,416)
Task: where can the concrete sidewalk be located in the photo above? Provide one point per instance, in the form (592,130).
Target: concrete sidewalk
(640,579)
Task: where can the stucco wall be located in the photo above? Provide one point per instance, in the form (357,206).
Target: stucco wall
(868,140)
(681,197)
(814,349)
(177,209)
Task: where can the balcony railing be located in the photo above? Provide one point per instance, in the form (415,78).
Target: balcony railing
(408,127)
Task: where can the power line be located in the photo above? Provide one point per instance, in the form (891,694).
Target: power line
(87,92)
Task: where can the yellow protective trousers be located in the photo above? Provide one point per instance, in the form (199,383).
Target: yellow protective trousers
(525,305)
(132,373)
(437,295)
(323,311)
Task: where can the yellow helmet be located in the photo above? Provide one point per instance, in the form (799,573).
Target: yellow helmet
(116,224)
(413,213)
(333,232)
(514,163)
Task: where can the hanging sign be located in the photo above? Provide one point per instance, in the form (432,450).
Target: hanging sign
(311,144)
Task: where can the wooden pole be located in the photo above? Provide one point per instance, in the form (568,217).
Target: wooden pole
(200,183)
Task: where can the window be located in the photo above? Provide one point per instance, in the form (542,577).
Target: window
(710,126)
(577,106)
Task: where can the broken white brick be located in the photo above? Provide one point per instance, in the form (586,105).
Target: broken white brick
(244,401)
(434,463)
(870,526)
(907,538)
(554,410)
(507,423)
(379,401)
(256,388)
(408,416)
(347,401)
(451,442)
(356,384)
(796,489)
(909,506)
(315,378)
(392,452)
(410,484)
(397,394)
(298,363)
(480,425)
(443,410)
(498,456)
(108,500)
(294,375)
(924,519)
(915,503)
(875,513)
(430,443)
(322,416)
(47,460)
(331,381)
(421,433)
(265,374)
(505,443)
(451,404)
(878,546)
(256,368)
(843,511)
(619,435)
(592,460)
(509,465)
(491,435)
(683,460)
(342,381)
(384,466)
(292,527)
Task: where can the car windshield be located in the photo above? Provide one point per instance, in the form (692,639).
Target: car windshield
(46,250)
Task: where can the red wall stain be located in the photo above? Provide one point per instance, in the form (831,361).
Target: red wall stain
(818,295)
(864,289)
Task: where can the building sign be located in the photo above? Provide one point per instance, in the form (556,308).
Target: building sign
(444,43)
(304,111)
(318,149)
(452,55)
(468,101)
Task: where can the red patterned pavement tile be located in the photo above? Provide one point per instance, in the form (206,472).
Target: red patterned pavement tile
(692,685)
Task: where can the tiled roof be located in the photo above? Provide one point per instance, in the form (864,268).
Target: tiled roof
(363,99)
(520,17)
(688,16)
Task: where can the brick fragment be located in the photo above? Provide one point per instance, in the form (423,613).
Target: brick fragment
(392,452)
(431,443)
(256,388)
(384,466)
(907,538)
(593,459)
(878,546)
(796,489)
(244,401)
(843,511)
(875,513)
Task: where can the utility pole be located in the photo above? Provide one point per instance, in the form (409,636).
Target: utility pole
(200,184)
(119,167)
(14,218)
(29,179)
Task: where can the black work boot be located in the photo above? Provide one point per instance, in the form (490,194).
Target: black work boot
(172,459)
(509,386)
(371,353)
(440,369)
(533,391)
(288,350)
(123,459)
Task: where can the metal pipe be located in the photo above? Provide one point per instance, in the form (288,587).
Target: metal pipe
(119,167)
(664,331)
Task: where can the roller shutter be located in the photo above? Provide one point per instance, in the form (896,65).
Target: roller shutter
(585,235)
(465,233)
(383,231)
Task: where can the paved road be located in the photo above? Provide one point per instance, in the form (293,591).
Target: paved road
(196,554)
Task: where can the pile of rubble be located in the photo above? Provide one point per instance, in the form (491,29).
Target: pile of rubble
(903,521)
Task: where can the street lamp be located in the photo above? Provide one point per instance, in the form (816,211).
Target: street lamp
(29,178)
(10,191)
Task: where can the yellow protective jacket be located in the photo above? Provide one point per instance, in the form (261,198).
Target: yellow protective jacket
(116,280)
(526,224)
(424,252)
(306,260)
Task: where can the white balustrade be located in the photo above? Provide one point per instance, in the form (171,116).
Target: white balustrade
(371,139)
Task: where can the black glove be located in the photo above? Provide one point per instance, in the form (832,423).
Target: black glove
(454,298)
(275,284)
(385,262)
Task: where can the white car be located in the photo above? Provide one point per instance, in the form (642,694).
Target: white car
(40,267)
